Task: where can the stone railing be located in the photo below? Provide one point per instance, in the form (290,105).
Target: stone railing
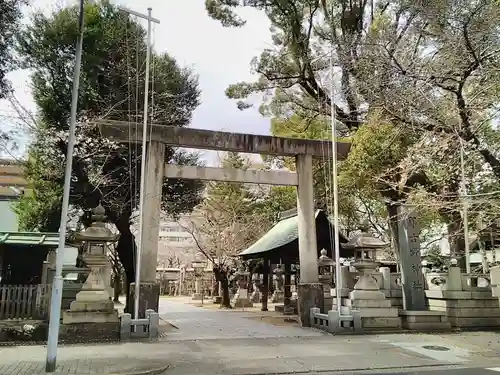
(332,322)
(454,280)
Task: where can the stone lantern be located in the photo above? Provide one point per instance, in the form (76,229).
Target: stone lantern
(365,247)
(325,275)
(241,297)
(325,271)
(93,303)
(199,265)
(256,295)
(278,294)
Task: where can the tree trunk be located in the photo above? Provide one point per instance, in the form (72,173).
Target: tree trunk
(225,301)
(126,250)
(117,289)
(392,210)
(456,237)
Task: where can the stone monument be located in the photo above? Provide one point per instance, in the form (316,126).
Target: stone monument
(411,262)
(241,297)
(93,303)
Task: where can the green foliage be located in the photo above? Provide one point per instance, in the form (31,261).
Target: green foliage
(10,16)
(377,147)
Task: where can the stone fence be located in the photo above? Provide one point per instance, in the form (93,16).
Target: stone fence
(464,300)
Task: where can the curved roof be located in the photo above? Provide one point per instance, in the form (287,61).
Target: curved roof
(282,233)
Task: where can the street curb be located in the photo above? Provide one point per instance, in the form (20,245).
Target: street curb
(155,371)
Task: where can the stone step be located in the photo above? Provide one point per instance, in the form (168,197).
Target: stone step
(427,326)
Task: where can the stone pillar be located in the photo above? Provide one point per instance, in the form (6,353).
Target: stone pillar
(197,289)
(308,252)
(310,291)
(411,262)
(288,308)
(151,225)
(149,288)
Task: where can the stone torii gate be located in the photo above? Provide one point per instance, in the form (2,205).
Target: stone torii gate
(304,150)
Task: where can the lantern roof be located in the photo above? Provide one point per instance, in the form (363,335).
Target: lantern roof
(98,230)
(363,240)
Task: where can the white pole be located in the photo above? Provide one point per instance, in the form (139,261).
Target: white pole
(465,208)
(335,190)
(143,157)
(57,285)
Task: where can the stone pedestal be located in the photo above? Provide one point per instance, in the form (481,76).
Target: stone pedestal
(309,295)
(241,298)
(425,320)
(466,309)
(217,300)
(197,290)
(376,312)
(93,304)
(149,297)
(277,296)
(256,294)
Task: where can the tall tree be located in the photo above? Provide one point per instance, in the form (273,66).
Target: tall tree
(419,68)
(10,16)
(112,87)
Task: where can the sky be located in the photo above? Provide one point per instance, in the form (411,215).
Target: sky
(220,56)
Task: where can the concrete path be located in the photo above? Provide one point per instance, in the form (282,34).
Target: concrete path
(197,323)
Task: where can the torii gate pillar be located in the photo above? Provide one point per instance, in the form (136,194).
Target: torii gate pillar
(310,290)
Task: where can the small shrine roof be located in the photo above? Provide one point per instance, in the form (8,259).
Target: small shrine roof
(29,238)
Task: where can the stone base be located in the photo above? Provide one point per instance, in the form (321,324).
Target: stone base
(243,302)
(367,303)
(478,309)
(277,296)
(98,317)
(367,294)
(89,332)
(424,320)
(381,323)
(217,300)
(256,296)
(149,297)
(79,306)
(285,310)
(309,296)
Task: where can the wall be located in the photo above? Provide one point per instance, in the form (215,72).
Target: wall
(8,222)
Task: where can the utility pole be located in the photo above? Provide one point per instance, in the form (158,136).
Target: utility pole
(465,202)
(57,285)
(336,237)
(143,156)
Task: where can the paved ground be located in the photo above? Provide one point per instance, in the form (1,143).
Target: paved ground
(196,323)
(212,342)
